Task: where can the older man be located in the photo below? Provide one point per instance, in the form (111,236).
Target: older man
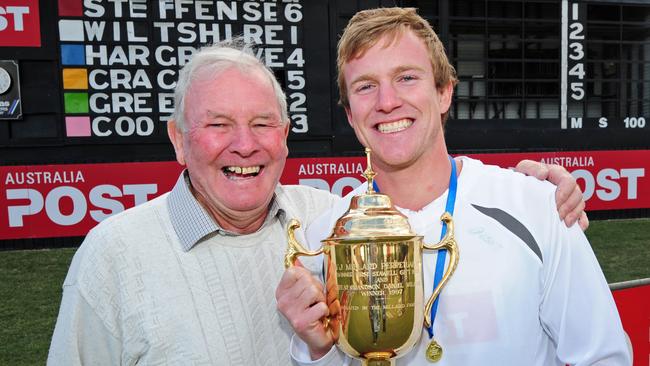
(188,278)
(527,290)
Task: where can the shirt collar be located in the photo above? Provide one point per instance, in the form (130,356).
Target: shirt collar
(192,222)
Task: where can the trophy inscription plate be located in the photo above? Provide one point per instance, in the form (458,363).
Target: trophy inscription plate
(376,286)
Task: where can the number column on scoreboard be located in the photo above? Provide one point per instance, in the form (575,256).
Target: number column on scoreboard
(295,65)
(574,65)
(603,67)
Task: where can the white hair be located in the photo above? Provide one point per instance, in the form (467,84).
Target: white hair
(217,58)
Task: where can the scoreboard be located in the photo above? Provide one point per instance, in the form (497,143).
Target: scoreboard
(546,75)
(86,89)
(550,74)
(109,69)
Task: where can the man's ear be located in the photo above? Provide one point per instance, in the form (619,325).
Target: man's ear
(348,114)
(176,137)
(444,97)
(286,129)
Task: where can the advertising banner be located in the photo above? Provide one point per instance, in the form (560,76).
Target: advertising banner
(610,180)
(68,200)
(634,308)
(20,24)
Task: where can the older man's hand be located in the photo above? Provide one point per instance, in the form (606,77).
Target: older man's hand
(568,195)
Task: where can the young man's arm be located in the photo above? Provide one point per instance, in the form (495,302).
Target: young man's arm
(568,196)
(577,309)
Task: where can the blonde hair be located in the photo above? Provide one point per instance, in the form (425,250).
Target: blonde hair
(367,27)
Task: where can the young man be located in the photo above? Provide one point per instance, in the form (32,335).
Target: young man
(527,290)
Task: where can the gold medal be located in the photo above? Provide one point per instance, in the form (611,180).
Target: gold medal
(434,351)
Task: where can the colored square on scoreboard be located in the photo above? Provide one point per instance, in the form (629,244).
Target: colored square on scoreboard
(75,79)
(77,126)
(73,54)
(76,102)
(70,8)
(71,30)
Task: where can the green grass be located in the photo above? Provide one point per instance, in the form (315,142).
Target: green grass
(30,284)
(30,293)
(622,248)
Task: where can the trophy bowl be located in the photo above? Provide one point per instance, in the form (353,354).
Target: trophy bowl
(373,278)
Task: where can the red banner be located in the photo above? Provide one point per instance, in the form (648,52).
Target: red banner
(337,175)
(20,23)
(610,180)
(68,200)
(634,308)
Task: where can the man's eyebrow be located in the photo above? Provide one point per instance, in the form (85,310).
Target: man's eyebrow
(261,115)
(217,114)
(395,71)
(363,77)
(403,68)
(264,116)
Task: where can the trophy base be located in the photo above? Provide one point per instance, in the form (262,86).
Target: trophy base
(378,359)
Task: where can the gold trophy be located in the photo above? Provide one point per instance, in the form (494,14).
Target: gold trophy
(373,277)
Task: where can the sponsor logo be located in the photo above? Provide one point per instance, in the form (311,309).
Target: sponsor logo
(20,23)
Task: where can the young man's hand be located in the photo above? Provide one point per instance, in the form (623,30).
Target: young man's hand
(568,195)
(301,299)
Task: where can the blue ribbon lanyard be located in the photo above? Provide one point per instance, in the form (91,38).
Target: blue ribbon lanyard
(442,253)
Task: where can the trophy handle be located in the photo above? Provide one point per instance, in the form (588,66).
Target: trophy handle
(450,243)
(295,249)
